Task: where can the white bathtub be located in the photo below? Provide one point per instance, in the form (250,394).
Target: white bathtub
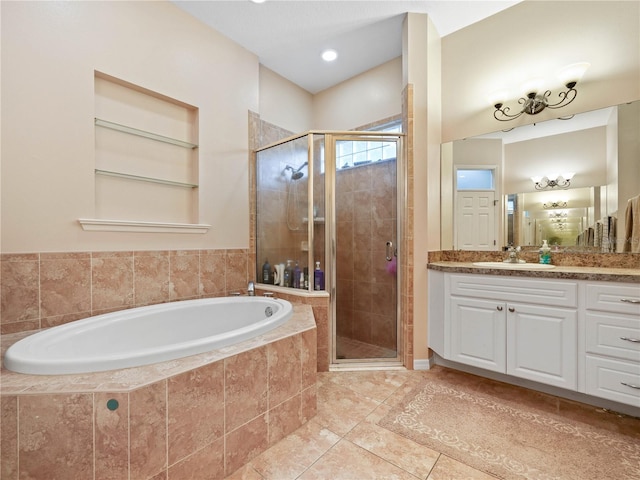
(145,335)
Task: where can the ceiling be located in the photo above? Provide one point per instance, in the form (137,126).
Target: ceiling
(288,36)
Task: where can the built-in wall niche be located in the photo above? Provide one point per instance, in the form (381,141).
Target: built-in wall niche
(146,160)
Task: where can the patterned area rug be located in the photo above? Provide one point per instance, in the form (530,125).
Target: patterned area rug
(509,440)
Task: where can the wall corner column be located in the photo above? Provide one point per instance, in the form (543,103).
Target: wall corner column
(421,59)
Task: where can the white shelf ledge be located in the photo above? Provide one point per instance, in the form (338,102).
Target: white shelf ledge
(142,133)
(101,225)
(140,178)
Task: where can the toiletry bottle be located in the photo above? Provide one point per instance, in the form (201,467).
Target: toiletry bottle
(305,274)
(545,253)
(288,275)
(318,278)
(296,276)
(266,272)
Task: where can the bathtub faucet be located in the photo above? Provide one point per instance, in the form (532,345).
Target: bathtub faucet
(251,289)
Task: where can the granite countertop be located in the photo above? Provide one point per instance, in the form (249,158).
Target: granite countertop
(606,274)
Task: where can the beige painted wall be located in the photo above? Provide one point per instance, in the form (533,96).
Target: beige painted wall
(49,53)
(283,103)
(366,98)
(537,39)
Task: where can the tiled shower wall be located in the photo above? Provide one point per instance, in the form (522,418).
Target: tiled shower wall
(365,220)
(40,290)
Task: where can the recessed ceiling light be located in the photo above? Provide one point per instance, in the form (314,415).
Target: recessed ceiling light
(258,1)
(329,55)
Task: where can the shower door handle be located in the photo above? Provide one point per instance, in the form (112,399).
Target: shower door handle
(390,251)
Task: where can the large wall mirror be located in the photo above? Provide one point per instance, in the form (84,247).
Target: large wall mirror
(601,149)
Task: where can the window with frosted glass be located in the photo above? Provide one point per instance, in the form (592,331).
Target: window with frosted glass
(474,179)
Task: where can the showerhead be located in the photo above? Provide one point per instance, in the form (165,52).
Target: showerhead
(296,174)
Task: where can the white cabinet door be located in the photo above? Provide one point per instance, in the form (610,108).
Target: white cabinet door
(478,333)
(542,344)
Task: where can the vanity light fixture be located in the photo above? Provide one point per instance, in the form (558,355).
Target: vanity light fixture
(558,214)
(329,55)
(534,102)
(554,205)
(553,181)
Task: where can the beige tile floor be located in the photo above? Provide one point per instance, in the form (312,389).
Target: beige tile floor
(343,441)
(349,348)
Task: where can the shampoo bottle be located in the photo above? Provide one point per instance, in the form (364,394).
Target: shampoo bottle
(318,278)
(545,253)
(288,275)
(296,276)
(266,272)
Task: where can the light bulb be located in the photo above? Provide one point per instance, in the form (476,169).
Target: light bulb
(533,85)
(572,74)
(498,97)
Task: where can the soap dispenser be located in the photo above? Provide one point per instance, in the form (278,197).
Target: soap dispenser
(545,253)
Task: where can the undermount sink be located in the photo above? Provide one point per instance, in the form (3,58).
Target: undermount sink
(515,266)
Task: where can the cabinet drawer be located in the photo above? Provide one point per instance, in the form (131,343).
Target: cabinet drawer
(614,335)
(620,298)
(510,289)
(613,379)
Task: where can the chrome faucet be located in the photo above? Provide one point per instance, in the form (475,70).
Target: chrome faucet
(251,289)
(513,255)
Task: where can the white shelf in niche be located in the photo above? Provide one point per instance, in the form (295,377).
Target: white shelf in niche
(141,178)
(143,133)
(102,225)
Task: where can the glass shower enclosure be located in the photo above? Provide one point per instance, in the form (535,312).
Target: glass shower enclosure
(329,200)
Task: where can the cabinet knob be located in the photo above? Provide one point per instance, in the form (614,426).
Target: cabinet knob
(499,308)
(511,309)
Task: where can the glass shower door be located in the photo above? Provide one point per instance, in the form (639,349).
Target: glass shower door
(366,290)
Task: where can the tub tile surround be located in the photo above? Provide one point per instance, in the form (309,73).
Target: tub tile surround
(202,416)
(41,290)
(320,305)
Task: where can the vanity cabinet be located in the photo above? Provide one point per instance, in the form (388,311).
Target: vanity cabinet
(521,327)
(576,334)
(612,341)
